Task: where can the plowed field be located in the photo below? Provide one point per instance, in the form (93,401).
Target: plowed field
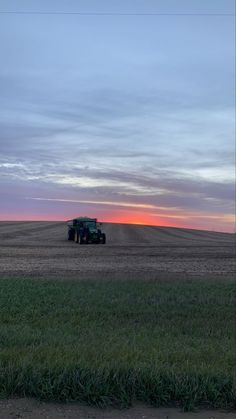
(41,249)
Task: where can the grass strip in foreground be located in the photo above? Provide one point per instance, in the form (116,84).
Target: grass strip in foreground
(160,342)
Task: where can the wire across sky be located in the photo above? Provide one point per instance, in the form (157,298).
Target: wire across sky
(24,12)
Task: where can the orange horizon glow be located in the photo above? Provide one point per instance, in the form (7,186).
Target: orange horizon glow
(139,213)
(137,219)
(125,217)
(140,219)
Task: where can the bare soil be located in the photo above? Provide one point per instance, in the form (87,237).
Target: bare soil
(33,409)
(41,250)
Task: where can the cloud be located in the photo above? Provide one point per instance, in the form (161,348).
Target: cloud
(178,188)
(109,203)
(127,118)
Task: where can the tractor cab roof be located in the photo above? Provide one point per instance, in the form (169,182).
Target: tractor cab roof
(85,219)
(82,220)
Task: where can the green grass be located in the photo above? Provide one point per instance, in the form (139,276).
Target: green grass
(164,343)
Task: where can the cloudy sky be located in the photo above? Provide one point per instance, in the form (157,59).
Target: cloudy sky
(126,115)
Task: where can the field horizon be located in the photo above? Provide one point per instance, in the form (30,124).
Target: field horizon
(120,223)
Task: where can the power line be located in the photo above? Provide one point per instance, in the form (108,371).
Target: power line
(8,12)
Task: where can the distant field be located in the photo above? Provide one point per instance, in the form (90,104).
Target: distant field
(149,316)
(115,342)
(41,250)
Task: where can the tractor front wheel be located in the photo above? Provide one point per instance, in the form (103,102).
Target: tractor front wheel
(76,237)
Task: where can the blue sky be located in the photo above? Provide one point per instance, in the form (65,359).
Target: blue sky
(124,117)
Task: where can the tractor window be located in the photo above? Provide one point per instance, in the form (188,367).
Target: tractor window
(90,224)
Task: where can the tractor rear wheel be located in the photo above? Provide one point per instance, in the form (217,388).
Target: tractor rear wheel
(103,238)
(71,235)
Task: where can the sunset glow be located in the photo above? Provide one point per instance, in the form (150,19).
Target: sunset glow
(121,213)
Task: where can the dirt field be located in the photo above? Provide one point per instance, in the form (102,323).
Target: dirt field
(41,249)
(33,409)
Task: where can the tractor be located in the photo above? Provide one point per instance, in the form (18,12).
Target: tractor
(84,230)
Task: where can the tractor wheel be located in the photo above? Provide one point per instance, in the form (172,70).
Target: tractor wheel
(71,235)
(76,237)
(103,238)
(80,240)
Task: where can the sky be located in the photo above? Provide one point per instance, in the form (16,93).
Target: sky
(125,113)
